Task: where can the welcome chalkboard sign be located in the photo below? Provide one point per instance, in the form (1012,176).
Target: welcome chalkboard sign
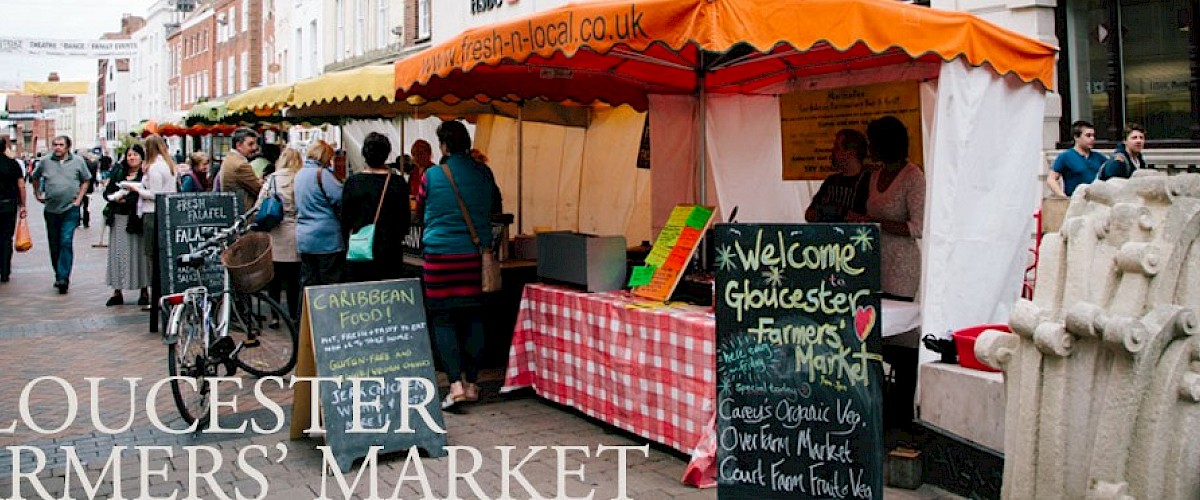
(798,372)
(374,330)
(185,220)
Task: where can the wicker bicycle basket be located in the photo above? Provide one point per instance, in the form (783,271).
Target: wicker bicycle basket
(249,263)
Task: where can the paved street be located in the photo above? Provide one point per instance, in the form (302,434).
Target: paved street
(76,337)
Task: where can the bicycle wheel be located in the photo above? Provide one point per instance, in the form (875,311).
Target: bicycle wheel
(266,335)
(188,357)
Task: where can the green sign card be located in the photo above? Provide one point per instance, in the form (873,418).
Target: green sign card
(798,371)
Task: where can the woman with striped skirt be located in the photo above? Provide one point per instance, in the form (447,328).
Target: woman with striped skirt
(453,267)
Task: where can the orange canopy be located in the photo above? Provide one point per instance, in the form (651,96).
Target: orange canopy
(617,51)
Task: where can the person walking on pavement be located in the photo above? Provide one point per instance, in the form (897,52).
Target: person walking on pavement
(237,176)
(60,182)
(12,206)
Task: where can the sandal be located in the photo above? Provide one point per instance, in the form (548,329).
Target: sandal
(471,393)
(456,396)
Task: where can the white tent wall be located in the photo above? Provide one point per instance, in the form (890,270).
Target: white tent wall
(353,133)
(746,146)
(982,191)
(673,156)
(575,179)
(423,128)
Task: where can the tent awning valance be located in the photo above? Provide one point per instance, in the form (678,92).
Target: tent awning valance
(265,100)
(627,49)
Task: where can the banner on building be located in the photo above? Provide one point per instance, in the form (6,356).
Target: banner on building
(96,49)
(55,88)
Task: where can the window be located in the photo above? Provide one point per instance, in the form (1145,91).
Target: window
(220,77)
(245,15)
(230,74)
(360,38)
(233,19)
(424,21)
(381,24)
(298,65)
(204,82)
(245,71)
(339,48)
(1146,43)
(313,61)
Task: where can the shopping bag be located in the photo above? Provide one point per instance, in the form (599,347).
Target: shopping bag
(23,242)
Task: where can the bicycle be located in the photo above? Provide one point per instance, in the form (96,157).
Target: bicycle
(227,329)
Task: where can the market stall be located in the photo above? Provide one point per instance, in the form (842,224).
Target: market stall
(715,77)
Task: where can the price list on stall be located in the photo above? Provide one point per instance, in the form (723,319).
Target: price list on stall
(669,257)
(373,337)
(798,371)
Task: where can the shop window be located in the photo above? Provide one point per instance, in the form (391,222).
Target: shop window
(1130,60)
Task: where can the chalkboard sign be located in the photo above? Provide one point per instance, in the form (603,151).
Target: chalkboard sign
(798,372)
(371,330)
(185,220)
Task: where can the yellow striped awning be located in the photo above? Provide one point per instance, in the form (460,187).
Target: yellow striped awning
(267,99)
(368,83)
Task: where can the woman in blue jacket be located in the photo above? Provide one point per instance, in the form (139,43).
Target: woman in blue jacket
(318,198)
(453,267)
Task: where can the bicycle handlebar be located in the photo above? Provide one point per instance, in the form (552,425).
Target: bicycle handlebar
(214,242)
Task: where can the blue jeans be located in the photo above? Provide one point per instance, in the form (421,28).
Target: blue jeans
(459,336)
(60,234)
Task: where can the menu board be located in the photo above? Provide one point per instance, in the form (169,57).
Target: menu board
(184,221)
(798,364)
(811,118)
(669,257)
(362,331)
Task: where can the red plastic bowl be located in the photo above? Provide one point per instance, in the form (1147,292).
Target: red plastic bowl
(964,342)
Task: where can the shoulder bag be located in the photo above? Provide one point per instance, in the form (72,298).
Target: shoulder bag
(362,242)
(491,267)
(270,212)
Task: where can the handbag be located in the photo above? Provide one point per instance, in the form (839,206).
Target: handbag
(362,242)
(23,242)
(270,212)
(490,266)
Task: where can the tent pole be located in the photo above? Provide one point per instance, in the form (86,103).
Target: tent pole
(703,104)
(520,166)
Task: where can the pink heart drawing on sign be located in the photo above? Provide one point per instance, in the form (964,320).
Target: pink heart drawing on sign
(864,321)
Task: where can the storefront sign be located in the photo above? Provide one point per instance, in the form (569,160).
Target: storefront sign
(185,221)
(811,118)
(373,337)
(798,372)
(478,6)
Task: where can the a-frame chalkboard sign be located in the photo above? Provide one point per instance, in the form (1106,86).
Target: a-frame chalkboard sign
(798,371)
(360,331)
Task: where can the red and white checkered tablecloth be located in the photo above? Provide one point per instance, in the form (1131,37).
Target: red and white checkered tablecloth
(642,366)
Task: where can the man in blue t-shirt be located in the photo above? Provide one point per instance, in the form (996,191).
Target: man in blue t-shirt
(1078,165)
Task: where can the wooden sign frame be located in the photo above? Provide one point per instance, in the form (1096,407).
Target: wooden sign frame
(666,279)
